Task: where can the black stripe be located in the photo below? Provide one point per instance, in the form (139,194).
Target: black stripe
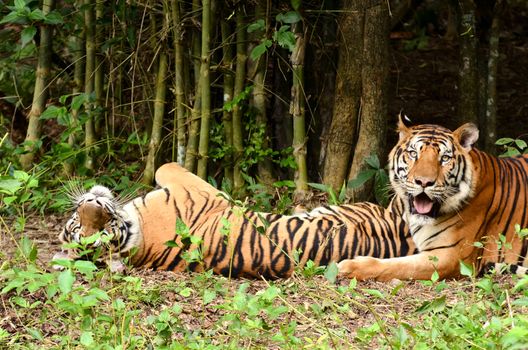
(443,247)
(167,192)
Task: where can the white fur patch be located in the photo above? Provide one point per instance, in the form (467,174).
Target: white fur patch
(101,191)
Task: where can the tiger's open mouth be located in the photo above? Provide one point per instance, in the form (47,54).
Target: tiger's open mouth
(423,205)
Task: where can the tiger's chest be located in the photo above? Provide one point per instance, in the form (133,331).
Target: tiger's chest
(429,235)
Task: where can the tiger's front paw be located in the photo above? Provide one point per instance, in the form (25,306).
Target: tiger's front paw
(361,268)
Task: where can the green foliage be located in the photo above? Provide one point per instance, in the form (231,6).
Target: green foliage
(333,198)
(420,42)
(378,174)
(283,36)
(512,147)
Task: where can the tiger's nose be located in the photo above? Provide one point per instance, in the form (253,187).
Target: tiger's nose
(424,182)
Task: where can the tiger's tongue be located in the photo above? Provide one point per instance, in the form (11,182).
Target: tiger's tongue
(423,205)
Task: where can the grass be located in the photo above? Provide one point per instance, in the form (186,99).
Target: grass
(88,307)
(85,307)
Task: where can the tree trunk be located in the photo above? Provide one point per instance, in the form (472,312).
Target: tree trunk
(265,173)
(240,76)
(374,108)
(157,123)
(493,62)
(468,75)
(321,64)
(341,135)
(297,112)
(40,94)
(205,90)
(179,85)
(89,81)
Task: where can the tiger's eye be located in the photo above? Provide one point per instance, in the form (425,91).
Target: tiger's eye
(445,158)
(413,154)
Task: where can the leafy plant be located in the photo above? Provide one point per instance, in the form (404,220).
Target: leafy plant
(512,147)
(334,199)
(378,174)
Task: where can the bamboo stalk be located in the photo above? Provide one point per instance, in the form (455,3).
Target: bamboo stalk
(240,76)
(192,142)
(78,83)
(205,90)
(227,117)
(40,94)
(179,85)
(259,98)
(157,122)
(89,80)
(99,71)
(298,113)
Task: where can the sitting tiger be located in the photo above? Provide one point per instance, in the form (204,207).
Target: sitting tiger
(457,201)
(231,241)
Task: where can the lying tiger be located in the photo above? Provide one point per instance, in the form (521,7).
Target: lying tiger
(456,200)
(234,242)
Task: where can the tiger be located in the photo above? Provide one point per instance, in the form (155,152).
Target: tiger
(228,239)
(461,204)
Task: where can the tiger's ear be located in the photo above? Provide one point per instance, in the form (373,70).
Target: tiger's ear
(402,129)
(467,135)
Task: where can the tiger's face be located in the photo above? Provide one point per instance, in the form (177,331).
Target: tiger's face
(96,211)
(431,171)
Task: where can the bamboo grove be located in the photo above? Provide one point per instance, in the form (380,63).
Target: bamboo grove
(184,81)
(232,90)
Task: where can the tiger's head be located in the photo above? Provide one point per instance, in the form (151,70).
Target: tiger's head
(431,171)
(95,211)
